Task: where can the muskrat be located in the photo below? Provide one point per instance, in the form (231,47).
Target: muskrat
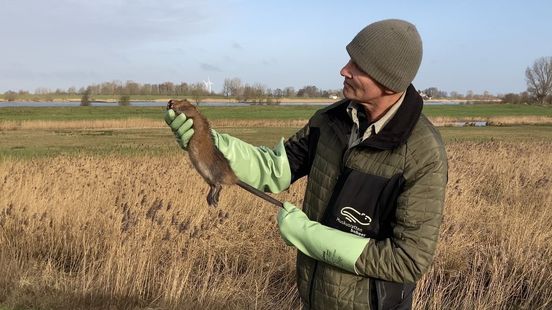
(206,157)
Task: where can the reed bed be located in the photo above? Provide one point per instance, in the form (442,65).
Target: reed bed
(81,124)
(495,248)
(139,124)
(493,120)
(144,123)
(135,232)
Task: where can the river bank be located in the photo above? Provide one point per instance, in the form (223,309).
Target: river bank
(103,99)
(302,100)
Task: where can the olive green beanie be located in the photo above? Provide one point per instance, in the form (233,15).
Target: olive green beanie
(389,51)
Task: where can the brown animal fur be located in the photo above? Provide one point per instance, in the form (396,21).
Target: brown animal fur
(206,158)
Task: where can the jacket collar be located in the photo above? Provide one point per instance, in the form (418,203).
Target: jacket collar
(395,133)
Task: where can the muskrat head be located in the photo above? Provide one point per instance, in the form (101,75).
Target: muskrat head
(181,106)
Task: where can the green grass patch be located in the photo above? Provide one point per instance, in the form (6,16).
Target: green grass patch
(485,110)
(26,144)
(103,113)
(33,143)
(78,113)
(250,112)
(38,143)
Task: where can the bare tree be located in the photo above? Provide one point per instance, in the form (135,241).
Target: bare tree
(456,95)
(198,92)
(10,95)
(226,88)
(255,93)
(308,91)
(132,88)
(124,100)
(232,88)
(289,92)
(434,92)
(539,79)
(85,99)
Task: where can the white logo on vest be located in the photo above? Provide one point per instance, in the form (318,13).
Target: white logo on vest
(353,216)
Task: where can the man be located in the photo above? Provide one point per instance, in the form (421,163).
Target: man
(377,172)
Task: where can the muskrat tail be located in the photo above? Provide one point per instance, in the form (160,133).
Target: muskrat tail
(260,194)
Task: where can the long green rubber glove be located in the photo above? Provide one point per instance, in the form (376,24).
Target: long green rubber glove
(320,242)
(260,167)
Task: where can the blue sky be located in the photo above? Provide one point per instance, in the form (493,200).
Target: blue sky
(468,45)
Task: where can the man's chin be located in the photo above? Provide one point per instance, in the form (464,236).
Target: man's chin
(347,94)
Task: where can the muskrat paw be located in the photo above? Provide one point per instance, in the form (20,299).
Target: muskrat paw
(213,196)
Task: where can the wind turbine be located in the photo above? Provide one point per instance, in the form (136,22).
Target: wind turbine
(208,85)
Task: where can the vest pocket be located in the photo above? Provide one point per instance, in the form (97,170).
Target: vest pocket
(364,204)
(392,295)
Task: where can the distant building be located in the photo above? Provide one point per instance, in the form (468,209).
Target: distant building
(424,95)
(333,97)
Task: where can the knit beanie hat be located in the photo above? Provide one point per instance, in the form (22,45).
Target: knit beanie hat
(389,51)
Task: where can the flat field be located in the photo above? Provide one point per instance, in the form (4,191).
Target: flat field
(29,143)
(256,112)
(103,213)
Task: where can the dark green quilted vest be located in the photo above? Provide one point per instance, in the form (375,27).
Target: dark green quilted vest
(390,155)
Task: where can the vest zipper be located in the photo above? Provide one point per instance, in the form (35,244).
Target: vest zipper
(344,159)
(313,275)
(341,169)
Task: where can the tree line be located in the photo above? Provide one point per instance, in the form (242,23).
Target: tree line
(233,88)
(436,93)
(538,77)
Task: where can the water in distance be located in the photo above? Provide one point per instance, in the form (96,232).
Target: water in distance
(163,104)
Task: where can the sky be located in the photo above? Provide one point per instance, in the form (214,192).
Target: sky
(468,45)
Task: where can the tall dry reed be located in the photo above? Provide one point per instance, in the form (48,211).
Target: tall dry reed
(151,123)
(495,250)
(135,232)
(494,120)
(139,123)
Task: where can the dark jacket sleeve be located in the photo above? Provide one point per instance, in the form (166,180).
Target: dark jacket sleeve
(297,149)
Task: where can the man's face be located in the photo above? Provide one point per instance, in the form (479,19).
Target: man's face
(359,86)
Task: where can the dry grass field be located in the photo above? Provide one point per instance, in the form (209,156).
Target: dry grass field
(135,232)
(152,123)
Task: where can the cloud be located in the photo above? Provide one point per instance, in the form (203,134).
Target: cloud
(208,67)
(106,23)
(111,37)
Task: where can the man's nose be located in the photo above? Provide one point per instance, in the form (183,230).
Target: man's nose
(345,72)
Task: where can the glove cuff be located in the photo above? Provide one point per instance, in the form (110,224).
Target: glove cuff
(260,167)
(323,243)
